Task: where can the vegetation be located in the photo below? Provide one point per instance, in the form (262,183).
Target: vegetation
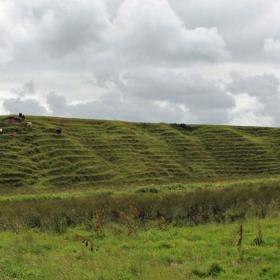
(112,153)
(188,208)
(114,200)
(152,252)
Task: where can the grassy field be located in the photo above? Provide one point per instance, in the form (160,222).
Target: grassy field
(150,201)
(154,252)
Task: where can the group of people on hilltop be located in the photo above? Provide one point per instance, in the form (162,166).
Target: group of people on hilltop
(21,115)
(20,118)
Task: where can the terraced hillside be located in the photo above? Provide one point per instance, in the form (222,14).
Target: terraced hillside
(94,152)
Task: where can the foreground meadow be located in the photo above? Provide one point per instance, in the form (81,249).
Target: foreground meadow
(175,231)
(156,251)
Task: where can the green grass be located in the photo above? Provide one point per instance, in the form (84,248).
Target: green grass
(147,196)
(150,253)
(179,207)
(93,153)
(33,194)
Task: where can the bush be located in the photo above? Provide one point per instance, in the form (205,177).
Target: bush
(189,208)
(213,271)
(148,190)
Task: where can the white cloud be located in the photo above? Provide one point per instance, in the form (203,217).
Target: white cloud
(146,94)
(193,91)
(243,24)
(249,111)
(150,31)
(259,95)
(272,49)
(12,31)
(72,26)
(154,60)
(31,106)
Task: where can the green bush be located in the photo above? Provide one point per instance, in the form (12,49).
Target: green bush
(213,271)
(148,190)
(189,208)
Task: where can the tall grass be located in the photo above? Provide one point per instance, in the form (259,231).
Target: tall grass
(187,208)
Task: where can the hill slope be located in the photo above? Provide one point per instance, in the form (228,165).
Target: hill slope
(92,152)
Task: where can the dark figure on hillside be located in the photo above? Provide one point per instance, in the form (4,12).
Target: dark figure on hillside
(22,116)
(58,130)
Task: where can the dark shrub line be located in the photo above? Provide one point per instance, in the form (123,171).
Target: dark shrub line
(190,208)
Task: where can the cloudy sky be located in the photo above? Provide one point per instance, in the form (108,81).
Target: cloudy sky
(192,61)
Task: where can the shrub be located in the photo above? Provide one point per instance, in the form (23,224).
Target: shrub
(188,208)
(259,238)
(213,271)
(148,190)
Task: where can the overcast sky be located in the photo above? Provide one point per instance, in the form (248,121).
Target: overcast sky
(192,61)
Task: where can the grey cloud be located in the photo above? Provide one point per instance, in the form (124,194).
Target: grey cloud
(27,89)
(264,88)
(127,110)
(150,60)
(139,94)
(27,106)
(57,104)
(150,31)
(196,93)
(115,106)
(220,13)
(113,6)
(150,94)
(154,95)
(140,32)
(272,49)
(72,26)
(44,32)
(243,24)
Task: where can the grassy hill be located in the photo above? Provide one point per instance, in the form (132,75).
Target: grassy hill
(95,152)
(176,198)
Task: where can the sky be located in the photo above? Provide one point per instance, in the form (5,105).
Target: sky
(191,61)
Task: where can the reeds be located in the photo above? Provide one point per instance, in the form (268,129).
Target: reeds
(130,220)
(85,241)
(240,238)
(198,207)
(259,238)
(99,222)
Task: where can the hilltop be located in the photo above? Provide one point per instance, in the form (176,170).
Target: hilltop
(96,152)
